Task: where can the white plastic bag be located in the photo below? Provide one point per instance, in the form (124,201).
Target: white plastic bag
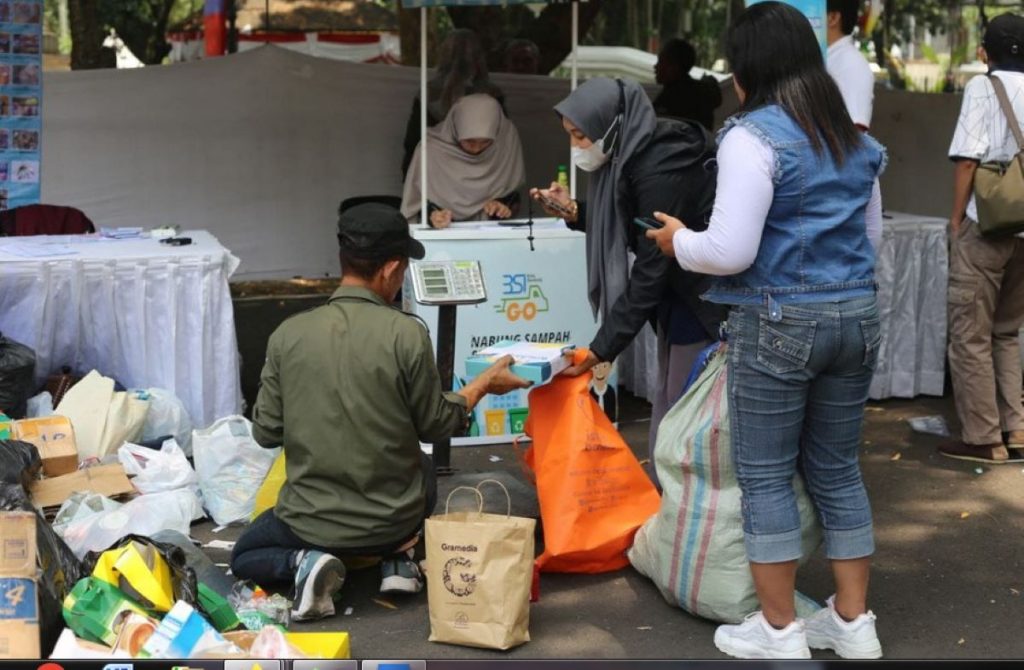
(145,515)
(155,471)
(167,416)
(39,406)
(231,466)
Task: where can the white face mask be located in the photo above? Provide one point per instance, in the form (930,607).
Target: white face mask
(594,157)
(590,159)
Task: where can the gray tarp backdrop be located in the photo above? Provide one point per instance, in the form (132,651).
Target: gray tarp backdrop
(260,147)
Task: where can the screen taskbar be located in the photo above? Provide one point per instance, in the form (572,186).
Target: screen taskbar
(496,664)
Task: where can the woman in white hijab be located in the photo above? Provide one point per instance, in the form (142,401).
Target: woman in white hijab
(475,166)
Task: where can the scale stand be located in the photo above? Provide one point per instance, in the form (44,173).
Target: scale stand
(446,366)
(446,285)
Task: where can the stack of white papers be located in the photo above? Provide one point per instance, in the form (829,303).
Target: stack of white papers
(123,233)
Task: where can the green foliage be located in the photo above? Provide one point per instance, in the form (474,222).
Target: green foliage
(929,53)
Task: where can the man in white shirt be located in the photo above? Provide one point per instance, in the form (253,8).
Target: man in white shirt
(847,64)
(986,274)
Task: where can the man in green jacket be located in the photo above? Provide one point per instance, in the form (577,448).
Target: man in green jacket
(350,389)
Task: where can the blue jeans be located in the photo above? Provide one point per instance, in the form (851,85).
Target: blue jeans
(797,390)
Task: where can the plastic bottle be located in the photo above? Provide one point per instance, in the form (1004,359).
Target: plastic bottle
(563,176)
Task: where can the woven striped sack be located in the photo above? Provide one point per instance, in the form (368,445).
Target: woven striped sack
(692,549)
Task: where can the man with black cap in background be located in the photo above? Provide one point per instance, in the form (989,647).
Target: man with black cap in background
(684,97)
(986,274)
(350,389)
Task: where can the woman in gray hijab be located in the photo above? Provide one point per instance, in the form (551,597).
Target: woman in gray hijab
(638,164)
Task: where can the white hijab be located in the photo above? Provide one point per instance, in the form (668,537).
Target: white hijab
(459,181)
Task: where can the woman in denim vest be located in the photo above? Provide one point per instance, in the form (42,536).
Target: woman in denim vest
(796,218)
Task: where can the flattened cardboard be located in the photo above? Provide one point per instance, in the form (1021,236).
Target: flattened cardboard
(108,480)
(55,439)
(17,544)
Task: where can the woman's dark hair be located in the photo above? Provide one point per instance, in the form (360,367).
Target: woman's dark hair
(776,60)
(461,62)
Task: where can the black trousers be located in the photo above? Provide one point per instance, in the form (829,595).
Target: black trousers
(266,551)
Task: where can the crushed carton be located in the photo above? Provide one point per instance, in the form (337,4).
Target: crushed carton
(184,633)
(54,437)
(139,571)
(70,647)
(94,610)
(108,480)
(134,634)
(534,362)
(17,544)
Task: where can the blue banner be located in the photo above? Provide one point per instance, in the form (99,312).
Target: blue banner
(815,12)
(21,96)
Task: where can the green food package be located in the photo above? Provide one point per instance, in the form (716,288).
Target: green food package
(94,610)
(222,615)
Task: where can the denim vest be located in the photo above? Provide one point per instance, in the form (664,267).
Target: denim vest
(815,246)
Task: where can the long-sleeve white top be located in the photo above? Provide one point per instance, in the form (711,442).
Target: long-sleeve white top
(744,196)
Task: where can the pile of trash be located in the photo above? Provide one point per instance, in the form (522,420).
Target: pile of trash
(116,575)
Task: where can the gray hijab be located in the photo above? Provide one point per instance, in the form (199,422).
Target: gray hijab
(592,108)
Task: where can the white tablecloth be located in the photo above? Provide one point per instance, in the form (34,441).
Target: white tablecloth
(144,313)
(912,273)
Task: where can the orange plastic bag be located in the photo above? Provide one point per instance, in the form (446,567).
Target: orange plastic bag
(593,492)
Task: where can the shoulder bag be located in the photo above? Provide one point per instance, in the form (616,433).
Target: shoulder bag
(999,187)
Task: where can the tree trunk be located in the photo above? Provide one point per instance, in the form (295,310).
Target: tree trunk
(409,33)
(87,51)
(64,27)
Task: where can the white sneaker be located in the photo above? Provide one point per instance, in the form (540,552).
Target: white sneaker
(756,638)
(856,639)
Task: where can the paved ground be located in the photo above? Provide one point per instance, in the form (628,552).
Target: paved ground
(947,582)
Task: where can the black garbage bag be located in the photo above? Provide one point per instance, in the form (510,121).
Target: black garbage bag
(19,464)
(59,568)
(17,372)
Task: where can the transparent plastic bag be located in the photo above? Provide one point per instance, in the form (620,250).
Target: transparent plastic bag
(167,416)
(145,516)
(231,467)
(155,471)
(39,406)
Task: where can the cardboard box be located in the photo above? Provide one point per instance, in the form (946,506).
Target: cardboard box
(18,544)
(183,633)
(534,362)
(108,480)
(54,437)
(19,618)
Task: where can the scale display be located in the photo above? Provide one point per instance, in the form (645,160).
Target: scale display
(448,282)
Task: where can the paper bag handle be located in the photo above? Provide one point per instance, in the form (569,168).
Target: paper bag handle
(508,497)
(479,498)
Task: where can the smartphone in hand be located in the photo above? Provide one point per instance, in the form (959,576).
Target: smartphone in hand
(554,205)
(648,223)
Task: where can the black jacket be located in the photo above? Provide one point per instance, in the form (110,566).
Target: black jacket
(675,173)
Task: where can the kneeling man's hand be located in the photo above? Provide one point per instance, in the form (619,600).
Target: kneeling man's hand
(500,379)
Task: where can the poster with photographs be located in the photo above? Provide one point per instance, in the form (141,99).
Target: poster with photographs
(21,96)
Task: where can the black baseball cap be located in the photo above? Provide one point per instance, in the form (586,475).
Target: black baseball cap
(1004,37)
(377,231)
